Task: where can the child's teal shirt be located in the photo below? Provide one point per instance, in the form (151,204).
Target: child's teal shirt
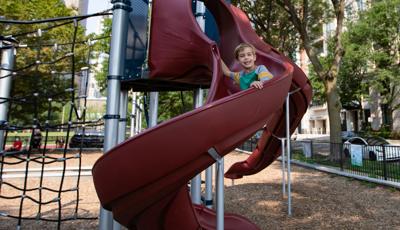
(244,80)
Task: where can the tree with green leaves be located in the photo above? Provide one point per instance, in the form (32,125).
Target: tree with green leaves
(372,47)
(272,24)
(48,44)
(174,103)
(102,49)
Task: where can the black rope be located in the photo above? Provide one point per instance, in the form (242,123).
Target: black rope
(24,46)
(69,126)
(38,154)
(37,188)
(68,18)
(84,121)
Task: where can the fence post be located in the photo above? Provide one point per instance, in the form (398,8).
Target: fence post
(384,162)
(341,157)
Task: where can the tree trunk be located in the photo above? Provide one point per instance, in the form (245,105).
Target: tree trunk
(334,107)
(327,75)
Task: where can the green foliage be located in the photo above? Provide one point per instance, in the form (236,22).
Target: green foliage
(102,48)
(384,132)
(272,24)
(103,45)
(372,46)
(38,83)
(352,75)
(172,104)
(319,95)
(101,74)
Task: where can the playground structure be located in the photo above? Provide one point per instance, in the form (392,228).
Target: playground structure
(180,52)
(182,57)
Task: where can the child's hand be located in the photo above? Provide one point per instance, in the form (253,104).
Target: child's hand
(257,84)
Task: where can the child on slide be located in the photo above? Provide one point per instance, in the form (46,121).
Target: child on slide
(251,75)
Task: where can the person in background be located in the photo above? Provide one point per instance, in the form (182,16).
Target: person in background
(17,144)
(60,142)
(37,139)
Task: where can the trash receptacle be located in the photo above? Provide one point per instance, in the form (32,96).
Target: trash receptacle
(307,148)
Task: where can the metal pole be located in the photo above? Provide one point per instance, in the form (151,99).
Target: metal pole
(62,115)
(7,64)
(195,185)
(220,194)
(288,156)
(123,108)
(140,113)
(196,181)
(219,180)
(208,201)
(153,109)
(283,166)
(133,115)
(115,72)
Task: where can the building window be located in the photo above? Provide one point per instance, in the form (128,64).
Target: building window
(386,116)
(367,114)
(343,117)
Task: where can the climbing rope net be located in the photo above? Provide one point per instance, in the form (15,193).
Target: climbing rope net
(40,177)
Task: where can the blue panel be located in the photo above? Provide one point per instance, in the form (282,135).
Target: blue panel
(211,27)
(137,39)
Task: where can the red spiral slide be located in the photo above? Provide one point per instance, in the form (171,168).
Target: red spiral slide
(143,180)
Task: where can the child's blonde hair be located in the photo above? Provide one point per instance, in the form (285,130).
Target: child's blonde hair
(242,46)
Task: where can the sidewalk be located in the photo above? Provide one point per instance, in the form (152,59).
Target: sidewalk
(394,142)
(322,137)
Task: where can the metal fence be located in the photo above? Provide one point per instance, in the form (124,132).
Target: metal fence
(375,161)
(249,145)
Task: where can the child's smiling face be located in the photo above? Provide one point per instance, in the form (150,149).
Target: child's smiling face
(247,58)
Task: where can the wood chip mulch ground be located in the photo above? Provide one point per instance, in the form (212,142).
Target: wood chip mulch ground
(319,200)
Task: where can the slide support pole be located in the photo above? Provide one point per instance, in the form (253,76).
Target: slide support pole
(283,166)
(195,184)
(115,72)
(220,187)
(288,155)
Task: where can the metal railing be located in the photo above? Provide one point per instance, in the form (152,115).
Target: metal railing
(380,162)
